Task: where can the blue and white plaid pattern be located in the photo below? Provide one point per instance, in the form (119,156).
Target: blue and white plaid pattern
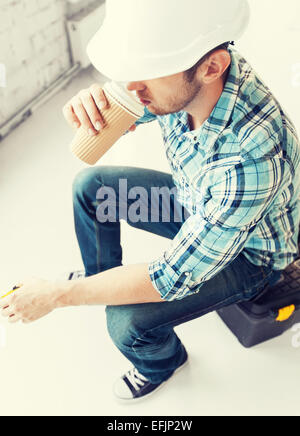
(238,176)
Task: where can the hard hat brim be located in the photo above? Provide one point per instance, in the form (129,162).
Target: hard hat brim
(111,55)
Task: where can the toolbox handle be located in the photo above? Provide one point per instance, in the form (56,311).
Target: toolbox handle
(285,313)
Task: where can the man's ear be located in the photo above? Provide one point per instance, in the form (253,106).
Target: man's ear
(215,66)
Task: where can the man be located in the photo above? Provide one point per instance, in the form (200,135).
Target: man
(234,218)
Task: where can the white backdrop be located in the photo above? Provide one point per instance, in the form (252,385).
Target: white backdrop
(66,363)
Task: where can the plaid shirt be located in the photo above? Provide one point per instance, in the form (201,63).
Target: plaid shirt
(238,177)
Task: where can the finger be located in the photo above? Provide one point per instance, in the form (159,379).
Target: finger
(7,312)
(26,321)
(100,99)
(132,128)
(14,318)
(6,301)
(70,116)
(80,110)
(92,109)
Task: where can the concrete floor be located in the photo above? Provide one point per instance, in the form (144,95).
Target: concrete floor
(65,364)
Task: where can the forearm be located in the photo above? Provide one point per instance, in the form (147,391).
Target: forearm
(118,286)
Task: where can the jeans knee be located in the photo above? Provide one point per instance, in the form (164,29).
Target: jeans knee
(90,180)
(83,182)
(132,329)
(121,326)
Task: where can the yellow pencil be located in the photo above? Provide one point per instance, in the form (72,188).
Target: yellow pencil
(10,292)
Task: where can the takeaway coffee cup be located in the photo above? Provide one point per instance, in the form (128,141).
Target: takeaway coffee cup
(123,111)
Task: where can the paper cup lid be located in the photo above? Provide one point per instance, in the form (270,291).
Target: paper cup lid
(125,98)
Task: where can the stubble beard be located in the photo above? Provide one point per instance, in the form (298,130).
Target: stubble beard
(180,102)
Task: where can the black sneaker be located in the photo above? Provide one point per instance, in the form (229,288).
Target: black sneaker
(67,275)
(75,275)
(133,386)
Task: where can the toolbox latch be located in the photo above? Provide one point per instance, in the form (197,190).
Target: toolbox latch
(285,313)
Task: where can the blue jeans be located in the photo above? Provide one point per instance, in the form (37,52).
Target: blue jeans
(144,333)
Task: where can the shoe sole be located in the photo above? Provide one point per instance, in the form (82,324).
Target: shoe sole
(139,399)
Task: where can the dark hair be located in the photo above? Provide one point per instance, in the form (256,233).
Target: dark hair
(191,72)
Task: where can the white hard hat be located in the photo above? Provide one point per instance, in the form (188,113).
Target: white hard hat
(149,39)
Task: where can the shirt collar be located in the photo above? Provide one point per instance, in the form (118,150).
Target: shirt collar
(221,113)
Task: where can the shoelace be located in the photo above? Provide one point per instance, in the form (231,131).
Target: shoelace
(75,275)
(136,379)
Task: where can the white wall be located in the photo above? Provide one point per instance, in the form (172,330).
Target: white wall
(272,45)
(33,48)
(66,363)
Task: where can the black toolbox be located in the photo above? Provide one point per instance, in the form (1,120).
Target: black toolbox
(275,311)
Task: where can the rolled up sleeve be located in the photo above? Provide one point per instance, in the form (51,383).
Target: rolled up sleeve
(148,117)
(216,234)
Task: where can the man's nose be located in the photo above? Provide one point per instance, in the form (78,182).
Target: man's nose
(136,86)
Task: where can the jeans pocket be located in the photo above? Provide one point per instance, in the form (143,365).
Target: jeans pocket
(255,292)
(267,277)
